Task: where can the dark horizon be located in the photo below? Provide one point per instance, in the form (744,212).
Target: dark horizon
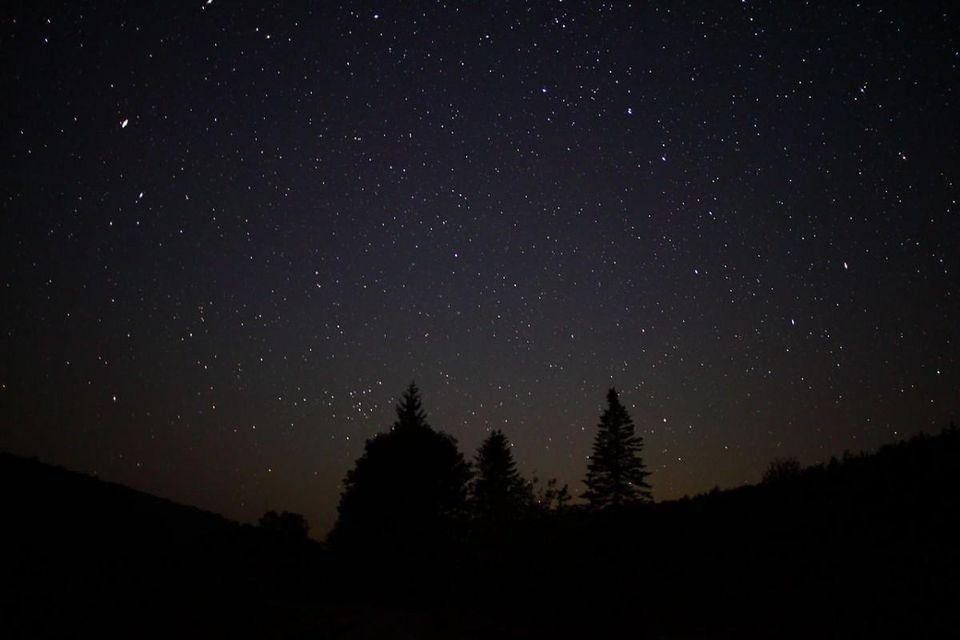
(577,499)
(233,234)
(863,545)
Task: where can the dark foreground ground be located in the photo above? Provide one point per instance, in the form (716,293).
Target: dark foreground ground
(866,546)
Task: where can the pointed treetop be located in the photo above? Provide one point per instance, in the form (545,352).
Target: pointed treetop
(613,398)
(496,440)
(409,411)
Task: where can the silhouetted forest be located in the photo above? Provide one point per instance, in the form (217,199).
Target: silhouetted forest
(430,543)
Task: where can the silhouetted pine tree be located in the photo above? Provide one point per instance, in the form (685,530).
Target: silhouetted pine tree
(499,493)
(408,489)
(616,473)
(410,413)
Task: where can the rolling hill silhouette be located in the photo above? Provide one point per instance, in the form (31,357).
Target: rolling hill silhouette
(87,556)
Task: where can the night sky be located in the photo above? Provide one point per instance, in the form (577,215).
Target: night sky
(232,234)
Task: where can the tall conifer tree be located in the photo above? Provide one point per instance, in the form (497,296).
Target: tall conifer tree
(499,493)
(616,473)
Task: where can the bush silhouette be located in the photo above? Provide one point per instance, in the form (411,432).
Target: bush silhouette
(781,469)
(286,525)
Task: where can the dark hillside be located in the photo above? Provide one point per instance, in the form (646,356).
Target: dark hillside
(861,546)
(866,544)
(83,556)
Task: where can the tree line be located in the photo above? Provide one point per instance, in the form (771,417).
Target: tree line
(413,488)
